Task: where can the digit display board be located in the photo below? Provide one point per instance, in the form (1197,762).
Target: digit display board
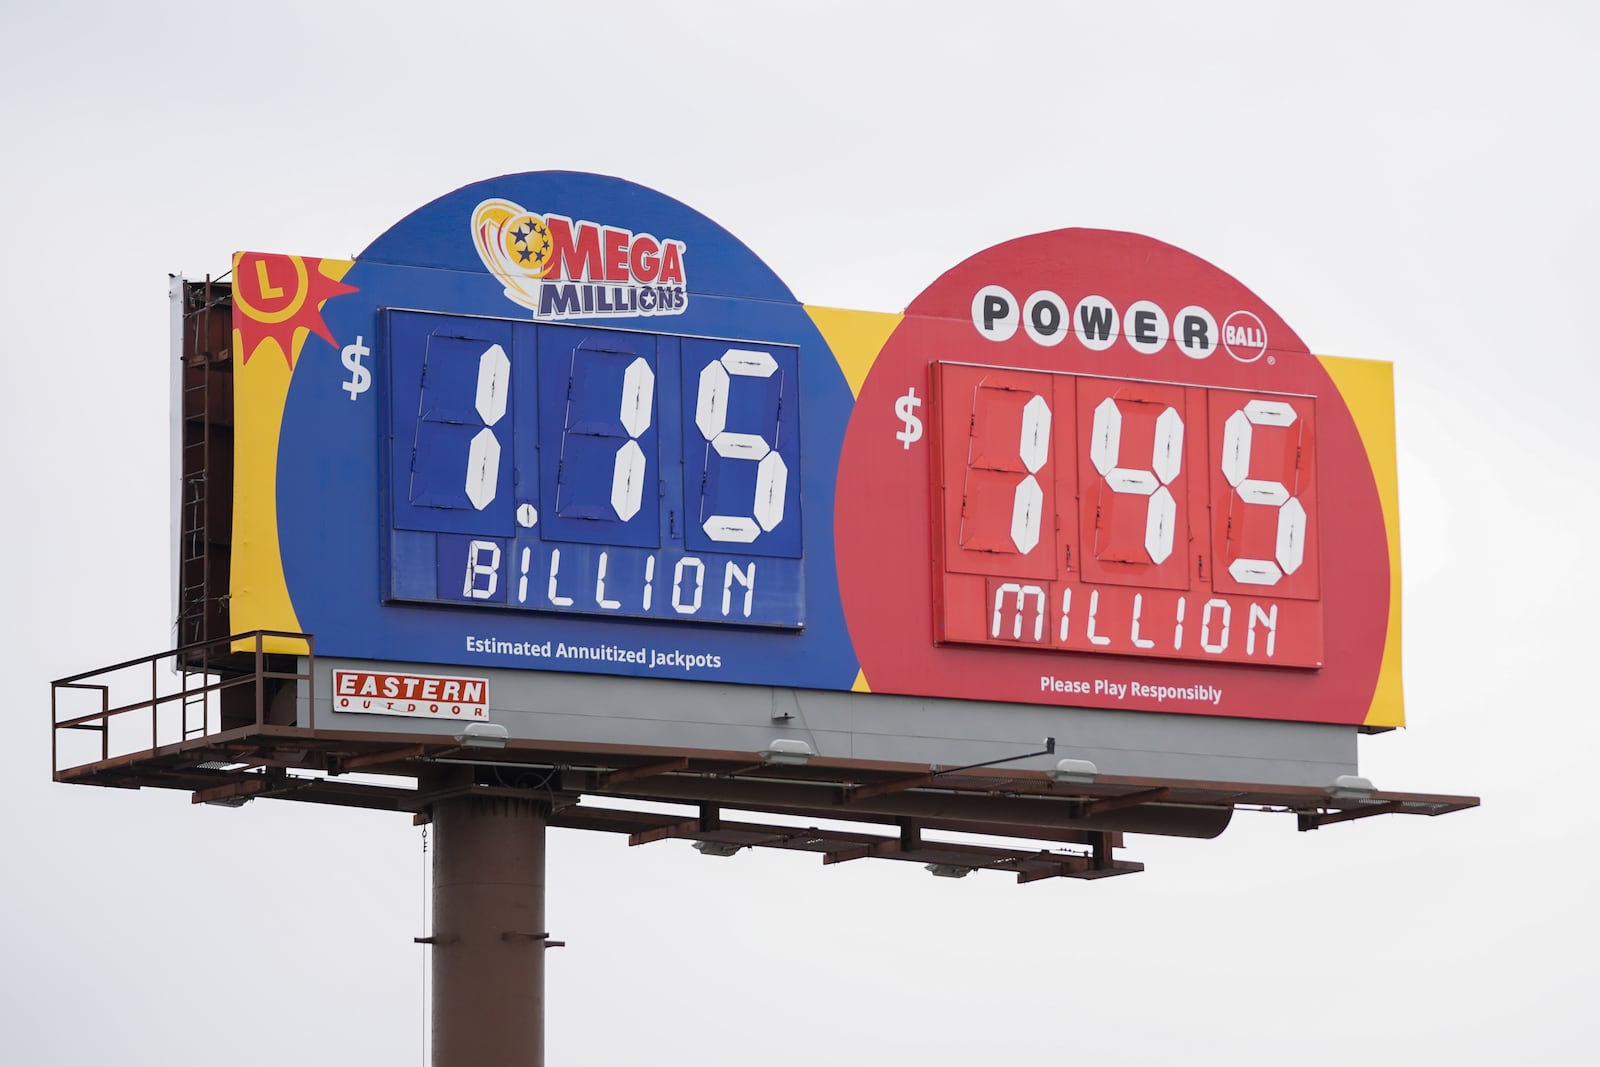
(1034,465)
(560,422)
(529,463)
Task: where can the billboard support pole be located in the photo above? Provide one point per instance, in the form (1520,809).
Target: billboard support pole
(489,939)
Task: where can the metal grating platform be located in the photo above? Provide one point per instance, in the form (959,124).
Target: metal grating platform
(222,735)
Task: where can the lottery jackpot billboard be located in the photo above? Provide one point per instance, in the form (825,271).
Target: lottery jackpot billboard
(560,422)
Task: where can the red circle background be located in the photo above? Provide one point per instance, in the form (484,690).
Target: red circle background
(883,499)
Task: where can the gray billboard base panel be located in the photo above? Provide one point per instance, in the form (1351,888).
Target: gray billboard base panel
(921,733)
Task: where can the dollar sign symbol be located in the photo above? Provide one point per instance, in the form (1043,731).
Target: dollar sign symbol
(360,377)
(906,408)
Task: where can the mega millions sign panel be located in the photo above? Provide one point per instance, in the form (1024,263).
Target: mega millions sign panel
(560,422)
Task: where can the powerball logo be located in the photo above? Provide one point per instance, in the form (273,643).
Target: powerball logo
(558,268)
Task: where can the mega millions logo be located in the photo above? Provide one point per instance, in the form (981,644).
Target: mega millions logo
(560,268)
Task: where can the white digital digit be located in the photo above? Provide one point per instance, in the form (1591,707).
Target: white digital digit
(477,568)
(559,599)
(585,490)
(628,467)
(1031,449)
(711,417)
(591,426)
(746,578)
(1105,445)
(600,598)
(483,456)
(1021,595)
(689,607)
(1220,644)
(1290,537)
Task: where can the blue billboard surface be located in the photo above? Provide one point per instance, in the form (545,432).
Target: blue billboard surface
(549,420)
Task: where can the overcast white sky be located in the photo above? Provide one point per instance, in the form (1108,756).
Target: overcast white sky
(1412,182)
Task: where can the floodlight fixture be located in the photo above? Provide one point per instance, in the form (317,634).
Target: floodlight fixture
(787,751)
(482,735)
(947,870)
(1074,772)
(716,848)
(1351,787)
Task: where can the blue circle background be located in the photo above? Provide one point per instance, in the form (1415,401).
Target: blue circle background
(330,469)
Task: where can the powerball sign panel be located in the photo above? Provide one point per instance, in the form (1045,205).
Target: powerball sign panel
(558,421)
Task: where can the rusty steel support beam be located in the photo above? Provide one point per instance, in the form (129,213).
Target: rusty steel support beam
(489,935)
(898,785)
(1104,852)
(686,828)
(1129,800)
(845,855)
(373,759)
(1316,820)
(821,801)
(710,819)
(633,774)
(910,840)
(888,846)
(274,783)
(1065,867)
(249,787)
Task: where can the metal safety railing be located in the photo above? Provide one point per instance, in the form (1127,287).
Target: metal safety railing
(207,688)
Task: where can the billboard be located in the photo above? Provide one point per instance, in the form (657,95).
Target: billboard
(560,422)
